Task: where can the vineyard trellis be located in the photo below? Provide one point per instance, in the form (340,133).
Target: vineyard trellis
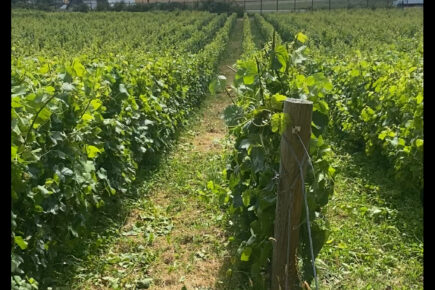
(261,6)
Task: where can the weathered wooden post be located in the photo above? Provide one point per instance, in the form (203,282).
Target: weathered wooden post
(261,6)
(289,198)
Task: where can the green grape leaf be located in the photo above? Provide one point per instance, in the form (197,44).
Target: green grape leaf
(93,151)
(20,242)
(246,254)
(302,38)
(78,68)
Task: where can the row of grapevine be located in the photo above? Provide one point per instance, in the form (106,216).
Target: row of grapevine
(266,29)
(264,80)
(61,34)
(199,39)
(365,82)
(83,122)
(248,45)
(377,71)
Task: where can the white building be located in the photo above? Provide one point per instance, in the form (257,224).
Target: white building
(91,3)
(408,3)
(128,2)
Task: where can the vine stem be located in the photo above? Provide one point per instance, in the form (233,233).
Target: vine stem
(229,95)
(34,119)
(259,78)
(231,68)
(87,106)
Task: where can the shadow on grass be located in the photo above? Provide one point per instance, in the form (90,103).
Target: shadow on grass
(379,181)
(106,221)
(233,273)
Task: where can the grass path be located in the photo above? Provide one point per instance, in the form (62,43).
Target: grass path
(376,230)
(174,235)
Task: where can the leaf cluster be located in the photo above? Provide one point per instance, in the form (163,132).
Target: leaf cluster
(263,81)
(375,60)
(82,127)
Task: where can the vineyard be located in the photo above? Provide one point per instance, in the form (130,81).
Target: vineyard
(101,101)
(365,83)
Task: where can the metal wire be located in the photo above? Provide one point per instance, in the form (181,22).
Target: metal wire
(309,158)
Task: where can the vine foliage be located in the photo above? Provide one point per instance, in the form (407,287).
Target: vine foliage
(263,81)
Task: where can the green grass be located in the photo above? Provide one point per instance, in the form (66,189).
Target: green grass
(375,240)
(169,208)
(376,230)
(117,253)
(124,254)
(173,227)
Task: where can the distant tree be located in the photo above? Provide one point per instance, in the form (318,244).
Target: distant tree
(45,2)
(81,7)
(74,3)
(102,5)
(15,3)
(78,5)
(119,6)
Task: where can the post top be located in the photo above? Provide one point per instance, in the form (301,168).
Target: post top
(298,101)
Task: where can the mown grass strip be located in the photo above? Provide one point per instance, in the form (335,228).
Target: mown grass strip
(376,230)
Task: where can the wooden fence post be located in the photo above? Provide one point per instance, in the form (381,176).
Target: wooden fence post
(289,198)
